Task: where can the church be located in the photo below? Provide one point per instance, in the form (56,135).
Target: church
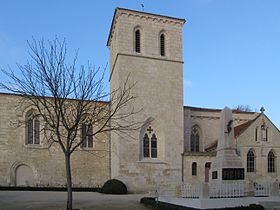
(176,144)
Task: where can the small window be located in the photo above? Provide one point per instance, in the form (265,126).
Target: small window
(162,45)
(256,134)
(250,161)
(87,138)
(263,132)
(32,129)
(271,162)
(137,41)
(194,169)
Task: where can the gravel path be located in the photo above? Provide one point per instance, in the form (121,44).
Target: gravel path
(20,200)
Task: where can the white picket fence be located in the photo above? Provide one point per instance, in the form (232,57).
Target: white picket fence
(221,190)
(227,190)
(191,190)
(263,189)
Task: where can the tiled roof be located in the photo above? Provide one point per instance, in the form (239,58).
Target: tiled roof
(242,127)
(212,147)
(214,110)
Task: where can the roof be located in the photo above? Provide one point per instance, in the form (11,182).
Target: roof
(212,147)
(19,95)
(242,127)
(192,108)
(138,13)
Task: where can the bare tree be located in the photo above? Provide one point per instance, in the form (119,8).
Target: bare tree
(66,97)
(243,108)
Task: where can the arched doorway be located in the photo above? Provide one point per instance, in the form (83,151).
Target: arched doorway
(207,169)
(24,176)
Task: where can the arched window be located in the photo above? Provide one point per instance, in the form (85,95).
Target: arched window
(256,134)
(271,162)
(250,161)
(194,169)
(87,138)
(162,45)
(137,41)
(32,128)
(194,140)
(150,144)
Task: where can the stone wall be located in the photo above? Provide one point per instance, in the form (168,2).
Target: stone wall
(46,164)
(159,95)
(261,148)
(208,120)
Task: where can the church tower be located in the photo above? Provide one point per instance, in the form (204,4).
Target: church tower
(148,48)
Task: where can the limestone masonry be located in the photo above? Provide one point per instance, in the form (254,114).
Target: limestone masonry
(175,143)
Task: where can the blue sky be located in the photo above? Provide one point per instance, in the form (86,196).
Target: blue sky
(231,47)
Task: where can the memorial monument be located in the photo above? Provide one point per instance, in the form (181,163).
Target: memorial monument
(226,169)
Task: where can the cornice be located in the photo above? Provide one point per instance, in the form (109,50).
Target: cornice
(141,15)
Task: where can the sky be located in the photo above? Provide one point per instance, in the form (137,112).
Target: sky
(231,48)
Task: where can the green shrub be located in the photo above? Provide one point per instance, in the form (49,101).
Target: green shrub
(114,186)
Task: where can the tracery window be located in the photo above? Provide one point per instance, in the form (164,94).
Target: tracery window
(87,138)
(150,144)
(271,162)
(250,161)
(162,44)
(32,129)
(195,140)
(137,41)
(194,169)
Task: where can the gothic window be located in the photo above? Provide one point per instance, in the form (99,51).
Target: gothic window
(162,45)
(250,161)
(32,129)
(150,144)
(137,41)
(194,169)
(87,138)
(271,162)
(194,140)
(266,134)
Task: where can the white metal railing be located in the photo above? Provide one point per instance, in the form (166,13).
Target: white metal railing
(227,189)
(220,190)
(263,189)
(189,190)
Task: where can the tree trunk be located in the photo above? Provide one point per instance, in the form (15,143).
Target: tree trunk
(69,182)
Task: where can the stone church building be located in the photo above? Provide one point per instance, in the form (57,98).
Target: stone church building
(175,144)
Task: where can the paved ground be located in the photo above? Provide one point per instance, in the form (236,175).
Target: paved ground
(21,200)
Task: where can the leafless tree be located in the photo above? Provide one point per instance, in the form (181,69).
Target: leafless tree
(66,97)
(243,108)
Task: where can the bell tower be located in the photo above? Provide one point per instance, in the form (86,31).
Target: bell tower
(148,48)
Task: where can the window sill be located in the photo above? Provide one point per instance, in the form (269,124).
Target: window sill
(151,161)
(36,146)
(272,173)
(86,148)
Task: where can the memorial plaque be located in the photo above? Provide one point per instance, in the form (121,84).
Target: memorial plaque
(233,173)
